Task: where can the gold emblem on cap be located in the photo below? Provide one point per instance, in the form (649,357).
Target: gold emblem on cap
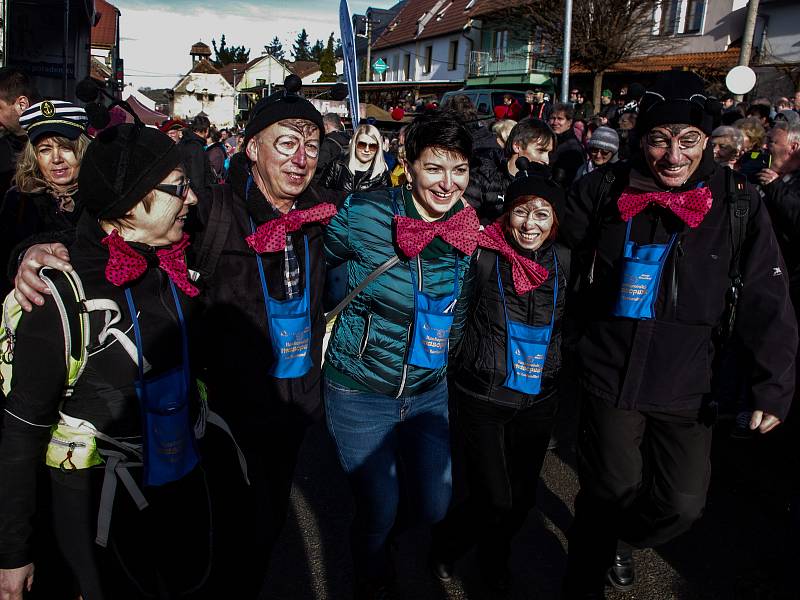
(48,110)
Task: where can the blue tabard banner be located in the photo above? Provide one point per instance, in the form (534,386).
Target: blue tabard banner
(350,62)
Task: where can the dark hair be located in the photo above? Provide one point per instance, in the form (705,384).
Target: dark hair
(15,83)
(214,135)
(200,123)
(527,131)
(567,109)
(462,105)
(437,129)
(760,110)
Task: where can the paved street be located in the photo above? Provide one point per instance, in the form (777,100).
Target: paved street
(739,549)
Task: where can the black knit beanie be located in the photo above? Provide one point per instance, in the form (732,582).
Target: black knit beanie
(678,97)
(535,179)
(285,104)
(121,165)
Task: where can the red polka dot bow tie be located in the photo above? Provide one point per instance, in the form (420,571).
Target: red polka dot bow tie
(691,206)
(460,231)
(526,273)
(271,236)
(125,264)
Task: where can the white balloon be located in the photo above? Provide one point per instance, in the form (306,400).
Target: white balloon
(740,80)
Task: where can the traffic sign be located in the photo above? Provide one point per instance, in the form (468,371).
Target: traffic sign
(380,67)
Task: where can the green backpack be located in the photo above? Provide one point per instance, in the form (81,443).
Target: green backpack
(68,294)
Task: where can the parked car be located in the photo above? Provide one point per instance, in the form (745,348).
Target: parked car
(484,99)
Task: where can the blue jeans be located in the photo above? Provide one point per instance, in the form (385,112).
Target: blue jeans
(381,441)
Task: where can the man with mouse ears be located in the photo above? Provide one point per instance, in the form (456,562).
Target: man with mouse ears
(677,256)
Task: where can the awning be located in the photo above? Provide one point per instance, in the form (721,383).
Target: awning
(148,117)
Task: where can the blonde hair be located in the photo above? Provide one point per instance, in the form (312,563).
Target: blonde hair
(29,178)
(754,130)
(378,162)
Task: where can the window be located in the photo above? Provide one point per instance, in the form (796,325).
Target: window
(500,43)
(407,67)
(426,69)
(671,17)
(694,16)
(452,57)
(261,82)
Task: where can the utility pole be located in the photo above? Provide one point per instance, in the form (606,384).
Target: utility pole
(567,43)
(235,98)
(747,37)
(369,46)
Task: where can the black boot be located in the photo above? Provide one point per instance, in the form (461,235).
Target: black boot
(622,573)
(440,568)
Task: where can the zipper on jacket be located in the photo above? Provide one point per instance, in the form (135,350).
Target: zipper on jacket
(675,263)
(405,364)
(66,444)
(363,345)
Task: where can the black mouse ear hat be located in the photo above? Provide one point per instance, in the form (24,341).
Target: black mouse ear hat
(678,97)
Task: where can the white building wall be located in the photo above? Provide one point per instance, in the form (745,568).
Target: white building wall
(193,95)
(271,71)
(394,57)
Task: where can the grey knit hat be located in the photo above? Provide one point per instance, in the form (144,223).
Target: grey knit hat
(788,115)
(605,138)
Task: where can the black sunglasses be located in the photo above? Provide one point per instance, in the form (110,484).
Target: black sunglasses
(365,145)
(181,190)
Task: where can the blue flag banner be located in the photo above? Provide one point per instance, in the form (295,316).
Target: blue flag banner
(350,62)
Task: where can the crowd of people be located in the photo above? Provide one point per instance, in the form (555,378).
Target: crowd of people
(186,302)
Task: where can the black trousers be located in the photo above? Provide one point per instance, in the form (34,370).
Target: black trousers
(504,449)
(644,477)
(163,551)
(248,519)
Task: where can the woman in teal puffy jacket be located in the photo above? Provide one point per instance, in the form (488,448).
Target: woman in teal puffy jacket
(385,384)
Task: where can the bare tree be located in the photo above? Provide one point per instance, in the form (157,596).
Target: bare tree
(604,32)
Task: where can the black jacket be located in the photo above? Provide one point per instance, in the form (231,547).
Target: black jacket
(479,369)
(567,159)
(25,215)
(488,180)
(105,394)
(338,177)
(237,339)
(782,198)
(195,160)
(216,160)
(665,363)
(333,147)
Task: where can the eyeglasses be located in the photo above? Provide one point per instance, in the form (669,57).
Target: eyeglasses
(365,146)
(685,142)
(288,145)
(181,190)
(600,151)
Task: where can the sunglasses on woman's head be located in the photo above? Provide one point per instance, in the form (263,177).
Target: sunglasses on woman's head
(365,145)
(181,190)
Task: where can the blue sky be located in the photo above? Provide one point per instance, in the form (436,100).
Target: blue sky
(156,35)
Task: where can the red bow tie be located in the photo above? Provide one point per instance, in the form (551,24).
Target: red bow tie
(460,231)
(271,236)
(691,207)
(125,264)
(527,274)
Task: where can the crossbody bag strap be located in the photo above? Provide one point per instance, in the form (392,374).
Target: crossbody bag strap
(360,287)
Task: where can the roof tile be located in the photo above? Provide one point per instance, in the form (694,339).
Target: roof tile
(104,34)
(447,16)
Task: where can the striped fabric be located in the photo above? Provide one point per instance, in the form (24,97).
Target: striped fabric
(53,115)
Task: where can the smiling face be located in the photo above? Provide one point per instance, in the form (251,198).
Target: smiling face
(285,158)
(438,179)
(58,163)
(673,153)
(559,122)
(161,224)
(537,151)
(366,148)
(531,222)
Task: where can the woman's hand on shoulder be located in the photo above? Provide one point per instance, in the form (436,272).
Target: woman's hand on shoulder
(14,581)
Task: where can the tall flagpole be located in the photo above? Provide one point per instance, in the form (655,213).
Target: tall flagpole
(350,63)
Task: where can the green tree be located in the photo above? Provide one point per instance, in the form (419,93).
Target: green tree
(337,49)
(275,48)
(316,51)
(224,55)
(301,49)
(327,62)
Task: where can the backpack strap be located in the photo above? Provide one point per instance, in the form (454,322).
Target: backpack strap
(360,287)
(738,201)
(216,231)
(70,298)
